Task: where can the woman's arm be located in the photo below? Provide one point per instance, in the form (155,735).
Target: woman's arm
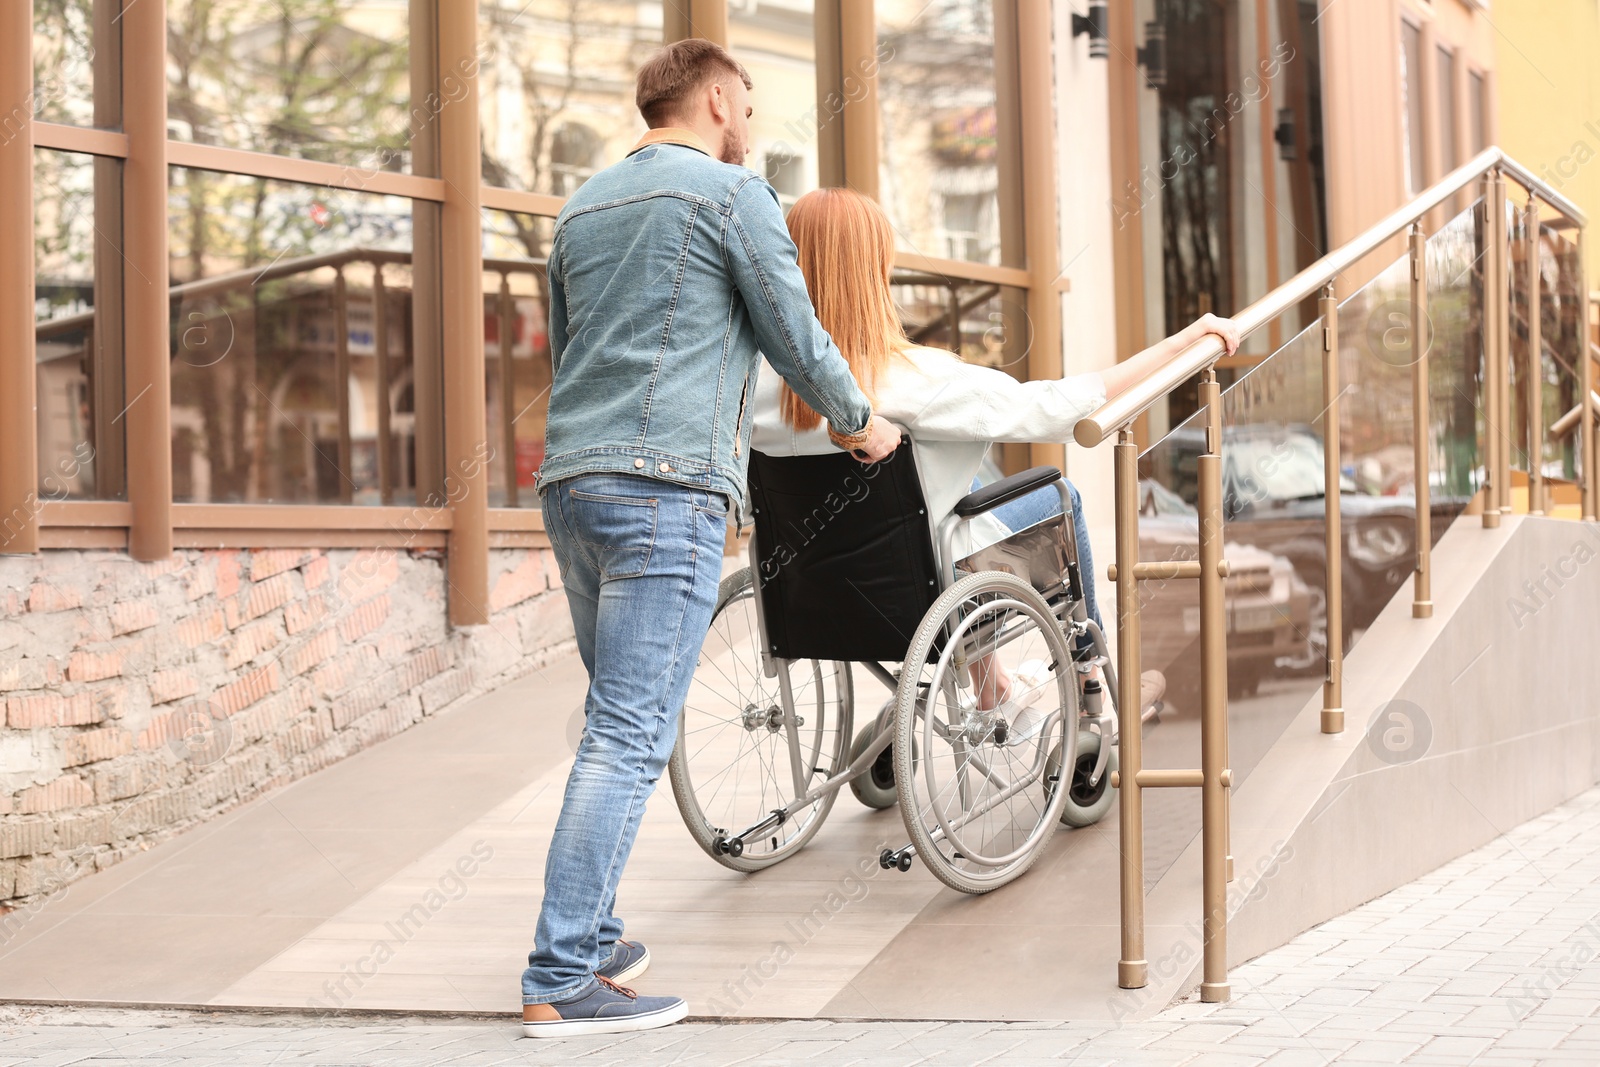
(948,400)
(1135,368)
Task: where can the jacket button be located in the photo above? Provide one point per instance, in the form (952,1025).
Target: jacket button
(666,468)
(638,463)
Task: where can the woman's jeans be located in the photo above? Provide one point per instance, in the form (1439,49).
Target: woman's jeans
(1043,504)
(641,560)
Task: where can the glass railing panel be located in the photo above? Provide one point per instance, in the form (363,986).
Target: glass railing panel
(1377,495)
(1519,251)
(1274,429)
(1272,480)
(1561,290)
(1455,366)
(1169,638)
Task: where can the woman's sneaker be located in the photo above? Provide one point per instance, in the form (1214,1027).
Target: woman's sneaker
(628,961)
(602,1008)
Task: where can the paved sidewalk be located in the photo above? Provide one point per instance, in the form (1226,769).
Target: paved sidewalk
(1494,959)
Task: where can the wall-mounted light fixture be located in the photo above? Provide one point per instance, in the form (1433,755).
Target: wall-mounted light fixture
(1153,56)
(1094,24)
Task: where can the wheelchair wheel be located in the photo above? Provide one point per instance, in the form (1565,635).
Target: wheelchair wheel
(731,766)
(1086,804)
(972,782)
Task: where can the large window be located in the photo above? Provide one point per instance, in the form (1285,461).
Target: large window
(1413,125)
(516,348)
(327,80)
(78,325)
(556,88)
(943,164)
(1477,112)
(1449,157)
(302,338)
(303,196)
(76,62)
(776,41)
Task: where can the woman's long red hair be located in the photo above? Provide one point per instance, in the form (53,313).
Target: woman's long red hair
(846,250)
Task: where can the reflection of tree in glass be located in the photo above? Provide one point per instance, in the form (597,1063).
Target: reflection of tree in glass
(306,78)
(63,229)
(63,45)
(558,91)
(938,129)
(252,370)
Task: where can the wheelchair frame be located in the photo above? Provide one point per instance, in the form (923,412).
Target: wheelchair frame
(1064,599)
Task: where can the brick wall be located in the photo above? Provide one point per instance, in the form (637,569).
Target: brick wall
(140,698)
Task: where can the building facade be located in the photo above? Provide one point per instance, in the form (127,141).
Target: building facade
(270,419)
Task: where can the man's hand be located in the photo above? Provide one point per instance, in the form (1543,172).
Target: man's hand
(883,437)
(1226,329)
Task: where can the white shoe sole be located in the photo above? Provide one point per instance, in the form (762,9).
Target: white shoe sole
(640,965)
(617,1024)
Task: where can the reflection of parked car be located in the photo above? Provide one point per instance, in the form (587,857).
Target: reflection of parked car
(1272,484)
(1268,606)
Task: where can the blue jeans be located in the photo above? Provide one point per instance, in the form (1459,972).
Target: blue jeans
(640,560)
(1044,504)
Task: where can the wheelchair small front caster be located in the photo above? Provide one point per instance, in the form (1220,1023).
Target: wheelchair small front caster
(890,860)
(874,786)
(729,846)
(1086,804)
(886,859)
(904,862)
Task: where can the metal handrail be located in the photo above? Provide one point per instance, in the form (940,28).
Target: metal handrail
(1568,422)
(1134,401)
(1214,776)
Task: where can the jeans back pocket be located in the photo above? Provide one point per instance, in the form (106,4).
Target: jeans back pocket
(617,529)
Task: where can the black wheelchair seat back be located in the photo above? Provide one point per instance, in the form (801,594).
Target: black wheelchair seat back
(845,563)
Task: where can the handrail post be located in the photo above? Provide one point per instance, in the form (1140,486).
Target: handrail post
(1333,536)
(1535,369)
(1501,293)
(1213,701)
(1421,429)
(1132,969)
(1490,332)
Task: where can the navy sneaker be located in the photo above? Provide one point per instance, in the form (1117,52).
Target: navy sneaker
(601,1008)
(628,961)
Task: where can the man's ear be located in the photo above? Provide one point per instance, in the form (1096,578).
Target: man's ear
(721,106)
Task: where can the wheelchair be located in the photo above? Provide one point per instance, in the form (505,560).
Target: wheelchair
(997,732)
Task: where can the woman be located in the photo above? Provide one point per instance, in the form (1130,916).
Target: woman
(953,409)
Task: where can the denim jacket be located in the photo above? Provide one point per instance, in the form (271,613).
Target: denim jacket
(671,274)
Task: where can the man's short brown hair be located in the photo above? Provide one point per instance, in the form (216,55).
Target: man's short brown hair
(677,72)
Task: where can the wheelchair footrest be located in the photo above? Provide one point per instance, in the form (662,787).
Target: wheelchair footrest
(733,844)
(890,860)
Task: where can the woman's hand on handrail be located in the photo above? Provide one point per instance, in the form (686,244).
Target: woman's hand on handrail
(1134,368)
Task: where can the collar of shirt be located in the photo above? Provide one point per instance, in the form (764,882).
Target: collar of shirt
(671,135)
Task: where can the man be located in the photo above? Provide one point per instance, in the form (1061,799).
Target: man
(668,272)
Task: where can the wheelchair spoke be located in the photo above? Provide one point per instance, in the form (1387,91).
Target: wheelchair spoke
(737,751)
(999,701)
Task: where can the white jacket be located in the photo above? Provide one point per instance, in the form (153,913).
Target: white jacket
(954,411)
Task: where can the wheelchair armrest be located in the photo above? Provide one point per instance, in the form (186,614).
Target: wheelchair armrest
(1006,490)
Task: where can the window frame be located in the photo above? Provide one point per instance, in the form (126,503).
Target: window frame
(149,525)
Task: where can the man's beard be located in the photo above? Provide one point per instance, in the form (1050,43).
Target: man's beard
(733,148)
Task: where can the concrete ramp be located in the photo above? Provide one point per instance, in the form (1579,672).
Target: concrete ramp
(408,877)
